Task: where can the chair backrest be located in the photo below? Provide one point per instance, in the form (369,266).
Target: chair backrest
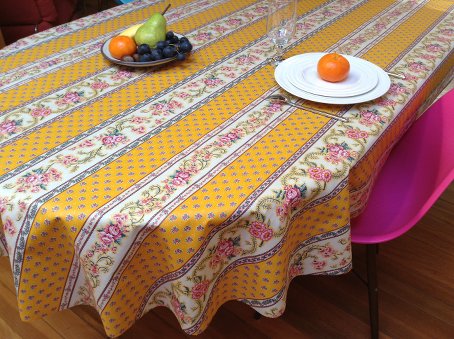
(418,170)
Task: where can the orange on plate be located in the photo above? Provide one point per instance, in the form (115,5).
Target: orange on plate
(333,67)
(121,46)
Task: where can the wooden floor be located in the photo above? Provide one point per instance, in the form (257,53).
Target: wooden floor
(416,279)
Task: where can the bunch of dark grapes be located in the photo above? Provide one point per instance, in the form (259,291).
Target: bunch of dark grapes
(171,47)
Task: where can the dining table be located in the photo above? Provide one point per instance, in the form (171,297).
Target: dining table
(182,185)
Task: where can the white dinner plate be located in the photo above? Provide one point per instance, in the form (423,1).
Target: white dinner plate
(284,68)
(105,52)
(361,78)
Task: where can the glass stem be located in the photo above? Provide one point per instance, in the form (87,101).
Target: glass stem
(279,52)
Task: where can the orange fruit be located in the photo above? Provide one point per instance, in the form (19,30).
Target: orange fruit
(333,67)
(121,46)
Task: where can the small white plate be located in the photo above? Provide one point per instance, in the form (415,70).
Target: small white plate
(382,86)
(105,52)
(361,78)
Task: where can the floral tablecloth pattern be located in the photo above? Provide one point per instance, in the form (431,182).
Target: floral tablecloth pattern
(182,186)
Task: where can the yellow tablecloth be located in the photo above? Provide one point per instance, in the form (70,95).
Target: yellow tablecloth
(182,186)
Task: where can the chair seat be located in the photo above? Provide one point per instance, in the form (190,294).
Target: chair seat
(418,170)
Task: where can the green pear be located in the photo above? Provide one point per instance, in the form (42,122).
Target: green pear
(152,31)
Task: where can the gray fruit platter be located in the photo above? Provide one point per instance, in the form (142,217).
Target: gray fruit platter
(105,52)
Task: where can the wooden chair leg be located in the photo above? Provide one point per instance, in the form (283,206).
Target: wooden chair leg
(372,286)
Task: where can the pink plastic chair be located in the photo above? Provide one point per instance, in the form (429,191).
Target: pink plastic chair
(418,170)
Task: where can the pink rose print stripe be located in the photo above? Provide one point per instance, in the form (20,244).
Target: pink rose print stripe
(93,221)
(324,170)
(73,26)
(249,259)
(433,47)
(267,303)
(241,261)
(132,78)
(72,55)
(123,115)
(249,201)
(70,93)
(339,233)
(354,46)
(71,141)
(35,205)
(263,239)
(180,13)
(163,211)
(408,12)
(81,105)
(364,26)
(50,64)
(22,75)
(328,178)
(59,148)
(376,28)
(258,304)
(185,153)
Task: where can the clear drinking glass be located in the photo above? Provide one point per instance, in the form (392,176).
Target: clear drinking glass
(281,24)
